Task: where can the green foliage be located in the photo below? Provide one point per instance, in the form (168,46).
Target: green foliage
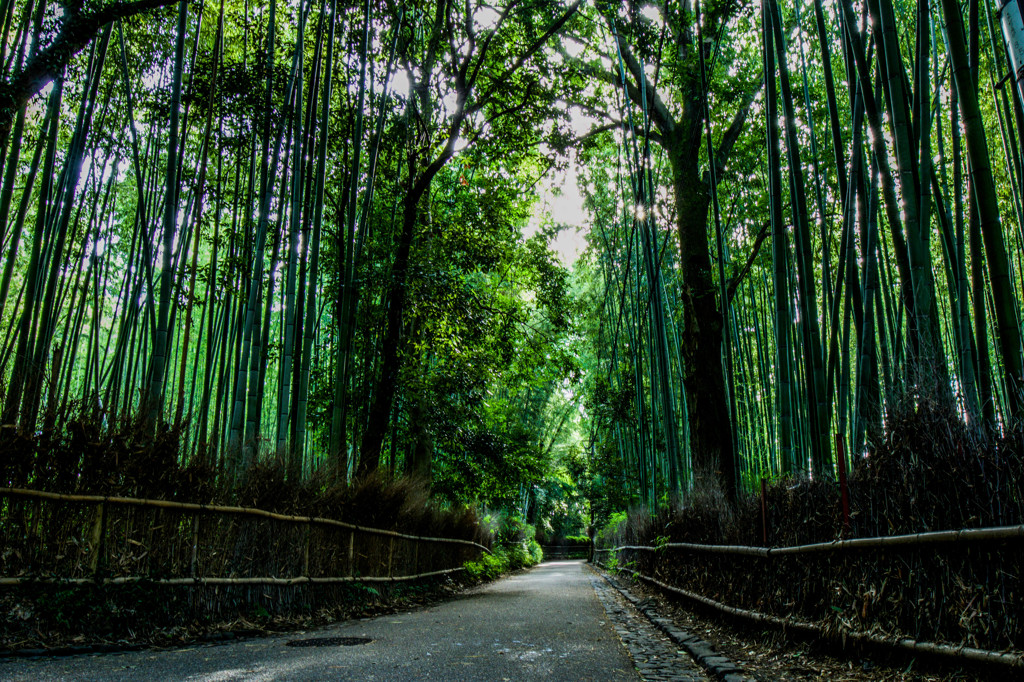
(362,591)
(488,567)
(611,533)
(515,548)
(561,506)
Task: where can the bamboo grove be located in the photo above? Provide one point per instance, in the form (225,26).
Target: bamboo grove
(844,184)
(282,230)
(296,229)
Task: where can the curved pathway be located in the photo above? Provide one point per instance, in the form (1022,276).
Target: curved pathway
(545,623)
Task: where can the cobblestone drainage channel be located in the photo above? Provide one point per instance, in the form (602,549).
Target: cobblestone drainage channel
(329,641)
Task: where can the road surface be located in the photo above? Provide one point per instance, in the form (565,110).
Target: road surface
(546,623)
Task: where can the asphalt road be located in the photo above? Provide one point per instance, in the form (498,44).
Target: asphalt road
(545,623)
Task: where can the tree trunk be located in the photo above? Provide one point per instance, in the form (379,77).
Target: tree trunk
(711,441)
(384,393)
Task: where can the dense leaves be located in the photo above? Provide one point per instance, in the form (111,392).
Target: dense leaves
(311,231)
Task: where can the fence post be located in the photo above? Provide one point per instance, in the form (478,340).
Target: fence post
(764,512)
(351,552)
(305,553)
(195,545)
(391,554)
(99,531)
(844,492)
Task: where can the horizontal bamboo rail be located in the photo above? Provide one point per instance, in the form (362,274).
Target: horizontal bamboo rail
(1011,660)
(284,582)
(221,509)
(996,534)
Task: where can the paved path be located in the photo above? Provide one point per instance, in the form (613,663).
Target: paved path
(545,623)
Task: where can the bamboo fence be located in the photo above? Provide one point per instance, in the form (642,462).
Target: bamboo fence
(1009,536)
(79,539)
(965,535)
(975,655)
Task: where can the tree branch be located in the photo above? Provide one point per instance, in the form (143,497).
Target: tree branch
(657,109)
(734,282)
(615,125)
(732,133)
(75,33)
(530,51)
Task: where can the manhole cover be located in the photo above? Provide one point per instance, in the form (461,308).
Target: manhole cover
(330,641)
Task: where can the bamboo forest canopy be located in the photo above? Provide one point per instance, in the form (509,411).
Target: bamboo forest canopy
(312,231)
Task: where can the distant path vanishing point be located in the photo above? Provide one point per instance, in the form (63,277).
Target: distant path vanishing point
(546,623)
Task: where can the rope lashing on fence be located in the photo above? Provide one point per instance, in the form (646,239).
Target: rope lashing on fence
(995,534)
(945,650)
(280,582)
(221,509)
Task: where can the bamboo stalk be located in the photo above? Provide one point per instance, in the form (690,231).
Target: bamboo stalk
(221,509)
(96,539)
(305,551)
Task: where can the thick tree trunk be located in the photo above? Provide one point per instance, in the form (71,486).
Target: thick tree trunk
(419,457)
(707,405)
(384,392)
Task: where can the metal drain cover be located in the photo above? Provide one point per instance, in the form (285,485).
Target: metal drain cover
(330,641)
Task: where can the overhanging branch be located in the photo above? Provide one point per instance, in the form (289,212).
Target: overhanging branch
(44,66)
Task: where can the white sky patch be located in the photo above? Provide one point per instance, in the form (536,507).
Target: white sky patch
(572,46)
(449,102)
(485,18)
(652,13)
(400,84)
(560,199)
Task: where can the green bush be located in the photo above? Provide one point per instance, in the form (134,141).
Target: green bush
(513,530)
(488,567)
(515,547)
(536,553)
(611,533)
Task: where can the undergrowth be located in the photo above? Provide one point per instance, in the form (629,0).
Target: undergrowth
(931,472)
(87,453)
(515,547)
(81,453)
(48,615)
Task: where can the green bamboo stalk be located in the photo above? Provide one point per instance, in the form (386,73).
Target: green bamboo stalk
(1007,327)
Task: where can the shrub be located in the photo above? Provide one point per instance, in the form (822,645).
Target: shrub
(488,567)
(611,533)
(536,553)
(515,547)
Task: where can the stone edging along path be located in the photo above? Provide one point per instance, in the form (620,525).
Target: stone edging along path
(701,650)
(656,658)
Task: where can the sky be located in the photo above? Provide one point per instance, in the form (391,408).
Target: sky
(560,197)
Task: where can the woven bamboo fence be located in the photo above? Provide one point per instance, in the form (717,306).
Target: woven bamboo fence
(56,538)
(575,551)
(906,592)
